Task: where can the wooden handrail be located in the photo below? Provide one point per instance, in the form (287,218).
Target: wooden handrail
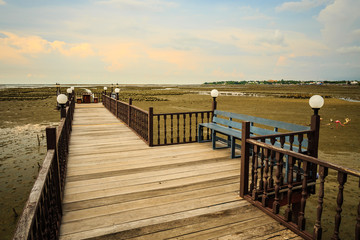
(42,213)
(276,135)
(28,216)
(295,184)
(306,158)
(158,129)
(175,113)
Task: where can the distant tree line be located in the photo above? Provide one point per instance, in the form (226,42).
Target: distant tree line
(282,81)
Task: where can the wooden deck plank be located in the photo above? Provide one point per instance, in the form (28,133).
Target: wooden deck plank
(149,179)
(192,224)
(119,188)
(151,201)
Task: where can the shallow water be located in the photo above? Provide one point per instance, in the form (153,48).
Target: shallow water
(22,151)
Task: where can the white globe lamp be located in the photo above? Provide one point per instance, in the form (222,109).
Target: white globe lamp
(316,102)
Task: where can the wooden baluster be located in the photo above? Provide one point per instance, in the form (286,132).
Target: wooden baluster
(196,126)
(272,162)
(298,171)
(158,135)
(357,227)
(184,117)
(300,139)
(261,183)
(291,141)
(254,174)
(178,127)
(302,219)
(266,176)
(282,143)
(310,143)
(172,129)
(323,172)
(190,135)
(202,120)
(151,127)
(276,204)
(288,211)
(208,131)
(165,140)
(342,177)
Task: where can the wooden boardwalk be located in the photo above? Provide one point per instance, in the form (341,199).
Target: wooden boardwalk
(119,188)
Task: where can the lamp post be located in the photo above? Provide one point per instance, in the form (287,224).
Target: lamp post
(117,90)
(69,92)
(315,102)
(112,88)
(105,88)
(57,88)
(62,100)
(214,94)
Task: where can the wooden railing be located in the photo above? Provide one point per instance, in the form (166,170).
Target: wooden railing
(280,181)
(137,119)
(42,213)
(162,128)
(175,128)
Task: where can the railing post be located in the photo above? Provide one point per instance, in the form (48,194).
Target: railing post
(129,111)
(245,152)
(314,144)
(315,126)
(116,107)
(214,105)
(51,144)
(150,126)
(63,112)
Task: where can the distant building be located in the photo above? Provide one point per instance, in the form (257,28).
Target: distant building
(354,83)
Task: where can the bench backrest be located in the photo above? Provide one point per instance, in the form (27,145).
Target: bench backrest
(227,119)
(258,120)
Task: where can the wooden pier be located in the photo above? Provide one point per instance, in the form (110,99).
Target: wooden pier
(115,171)
(117,187)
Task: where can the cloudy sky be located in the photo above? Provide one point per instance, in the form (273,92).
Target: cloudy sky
(178,41)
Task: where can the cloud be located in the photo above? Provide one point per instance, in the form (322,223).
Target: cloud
(275,38)
(120,55)
(19,48)
(284,60)
(81,50)
(250,14)
(219,73)
(341,21)
(2,2)
(301,6)
(155,5)
(352,49)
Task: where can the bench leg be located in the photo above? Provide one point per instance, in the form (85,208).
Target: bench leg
(200,133)
(232,144)
(213,137)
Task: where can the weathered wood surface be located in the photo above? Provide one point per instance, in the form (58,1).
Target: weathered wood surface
(119,188)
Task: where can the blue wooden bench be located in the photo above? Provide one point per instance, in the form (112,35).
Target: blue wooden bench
(230,124)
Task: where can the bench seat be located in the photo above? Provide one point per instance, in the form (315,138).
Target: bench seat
(232,129)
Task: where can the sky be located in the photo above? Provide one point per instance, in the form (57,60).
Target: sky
(178,41)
